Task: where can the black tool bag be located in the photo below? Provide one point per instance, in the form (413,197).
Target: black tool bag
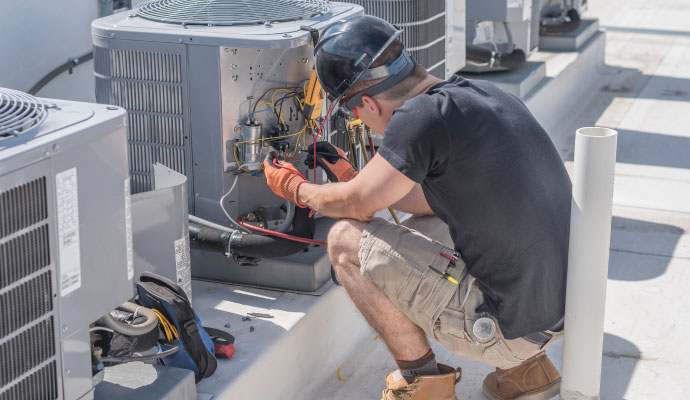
(196,347)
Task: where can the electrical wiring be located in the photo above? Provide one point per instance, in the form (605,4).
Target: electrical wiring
(316,137)
(147,357)
(281,235)
(222,206)
(273,88)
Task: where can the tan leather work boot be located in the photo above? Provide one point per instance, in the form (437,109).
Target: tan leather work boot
(425,387)
(535,379)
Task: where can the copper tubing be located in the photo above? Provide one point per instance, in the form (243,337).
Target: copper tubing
(360,135)
(371,142)
(353,144)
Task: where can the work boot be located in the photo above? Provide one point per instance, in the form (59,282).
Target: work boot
(424,387)
(535,379)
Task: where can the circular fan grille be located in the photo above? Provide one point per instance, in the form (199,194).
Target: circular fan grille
(230,12)
(19,113)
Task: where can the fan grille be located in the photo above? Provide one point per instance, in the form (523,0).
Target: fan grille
(230,12)
(19,113)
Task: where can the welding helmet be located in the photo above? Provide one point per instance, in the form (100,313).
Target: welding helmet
(345,53)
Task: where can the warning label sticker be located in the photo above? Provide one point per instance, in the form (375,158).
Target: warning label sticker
(183,265)
(128,231)
(68,231)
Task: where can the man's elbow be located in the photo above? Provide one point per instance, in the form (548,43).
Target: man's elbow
(357,207)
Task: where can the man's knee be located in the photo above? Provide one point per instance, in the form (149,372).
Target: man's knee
(343,241)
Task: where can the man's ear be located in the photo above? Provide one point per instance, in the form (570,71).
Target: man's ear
(371,104)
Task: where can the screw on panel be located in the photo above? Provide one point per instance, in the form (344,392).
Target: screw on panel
(286,35)
(196,195)
(112,108)
(56,147)
(305,60)
(64,327)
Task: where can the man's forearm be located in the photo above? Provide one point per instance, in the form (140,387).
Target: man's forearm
(335,200)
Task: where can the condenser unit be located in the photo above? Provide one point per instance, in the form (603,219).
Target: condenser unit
(557,17)
(200,80)
(433,30)
(499,34)
(65,240)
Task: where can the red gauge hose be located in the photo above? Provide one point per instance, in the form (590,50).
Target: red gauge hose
(281,235)
(316,138)
(371,147)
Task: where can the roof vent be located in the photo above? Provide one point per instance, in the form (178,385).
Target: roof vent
(230,12)
(19,113)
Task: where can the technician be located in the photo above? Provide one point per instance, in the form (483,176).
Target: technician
(481,265)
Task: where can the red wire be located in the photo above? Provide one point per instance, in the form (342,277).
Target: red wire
(282,235)
(275,162)
(317,136)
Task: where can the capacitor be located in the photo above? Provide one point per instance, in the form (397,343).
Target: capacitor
(484,328)
(251,132)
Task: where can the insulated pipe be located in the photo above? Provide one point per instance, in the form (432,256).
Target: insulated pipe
(588,258)
(131,329)
(563,27)
(480,55)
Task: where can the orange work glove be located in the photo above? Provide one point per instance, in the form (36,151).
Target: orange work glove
(282,177)
(332,160)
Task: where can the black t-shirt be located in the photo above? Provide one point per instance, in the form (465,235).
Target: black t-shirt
(490,171)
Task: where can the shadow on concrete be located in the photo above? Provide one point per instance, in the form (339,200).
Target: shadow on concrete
(641,250)
(620,360)
(643,148)
(657,87)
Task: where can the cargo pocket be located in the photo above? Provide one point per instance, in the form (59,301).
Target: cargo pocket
(412,286)
(451,322)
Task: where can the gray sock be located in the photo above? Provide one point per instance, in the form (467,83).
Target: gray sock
(425,365)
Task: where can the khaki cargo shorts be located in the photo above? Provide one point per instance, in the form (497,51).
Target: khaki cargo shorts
(400,260)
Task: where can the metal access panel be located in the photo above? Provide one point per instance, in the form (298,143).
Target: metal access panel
(160,229)
(64,247)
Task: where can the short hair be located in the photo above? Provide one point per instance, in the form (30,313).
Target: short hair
(400,89)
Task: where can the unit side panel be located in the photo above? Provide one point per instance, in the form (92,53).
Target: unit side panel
(205,124)
(29,321)
(149,80)
(99,168)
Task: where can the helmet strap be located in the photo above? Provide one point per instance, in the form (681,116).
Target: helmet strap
(396,70)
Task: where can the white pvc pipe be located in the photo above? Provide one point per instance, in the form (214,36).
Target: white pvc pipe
(588,258)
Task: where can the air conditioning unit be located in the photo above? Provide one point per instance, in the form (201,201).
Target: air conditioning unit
(200,80)
(65,240)
(433,30)
(499,34)
(560,16)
